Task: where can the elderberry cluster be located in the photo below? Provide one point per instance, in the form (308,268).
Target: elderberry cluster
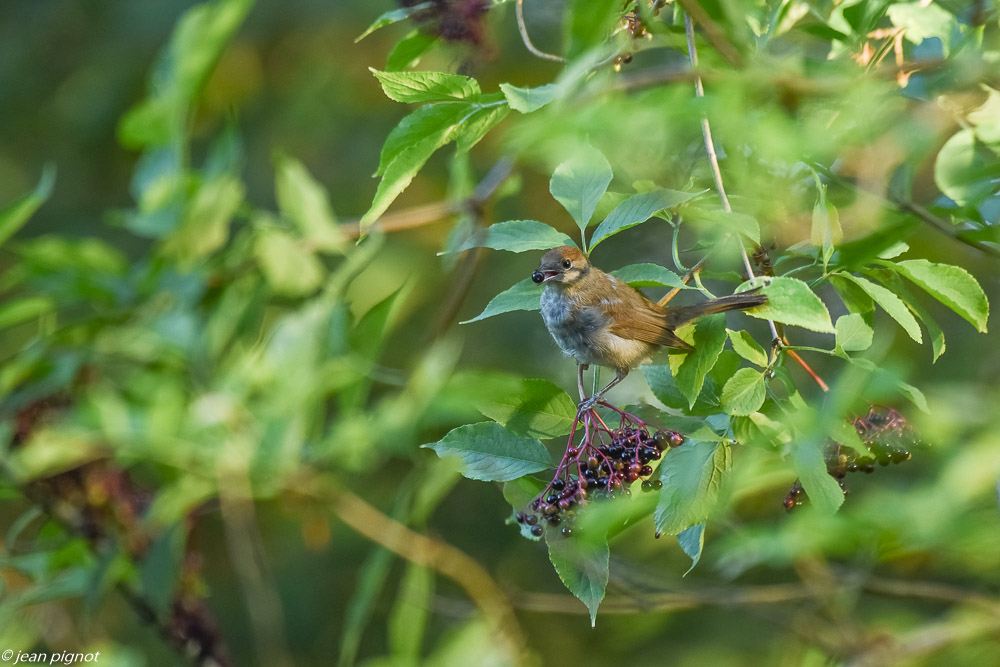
(888,438)
(605,463)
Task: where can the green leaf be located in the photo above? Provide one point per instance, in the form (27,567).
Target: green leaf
(427,86)
(891,303)
(475,126)
(709,339)
(648,275)
(692,542)
(428,121)
(582,564)
(853,333)
(790,301)
(823,490)
(580,182)
(289,268)
(182,70)
(526,100)
(524,295)
(965,170)
(519,492)
(392,16)
(909,391)
(896,283)
(663,385)
(922,20)
(490,453)
(737,223)
(745,346)
(855,299)
(160,568)
(402,167)
(407,621)
(407,51)
(539,409)
(826,230)
(637,209)
(24,309)
(692,477)
(744,393)
(589,24)
(13,217)
(306,204)
(986,119)
(518,236)
(951,285)
(205,227)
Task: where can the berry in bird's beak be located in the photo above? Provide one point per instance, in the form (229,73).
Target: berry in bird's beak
(540,276)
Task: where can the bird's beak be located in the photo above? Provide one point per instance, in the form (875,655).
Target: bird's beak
(540,276)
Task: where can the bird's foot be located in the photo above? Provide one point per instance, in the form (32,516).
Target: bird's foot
(587,404)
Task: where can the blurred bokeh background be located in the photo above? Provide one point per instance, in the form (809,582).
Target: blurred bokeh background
(906,573)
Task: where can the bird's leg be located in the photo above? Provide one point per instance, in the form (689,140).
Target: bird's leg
(580,368)
(592,401)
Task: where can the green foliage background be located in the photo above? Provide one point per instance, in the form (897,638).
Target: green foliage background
(187,304)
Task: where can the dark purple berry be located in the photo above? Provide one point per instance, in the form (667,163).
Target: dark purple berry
(531,519)
(520,517)
(537,531)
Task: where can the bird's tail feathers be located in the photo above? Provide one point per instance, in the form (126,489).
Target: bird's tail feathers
(683,314)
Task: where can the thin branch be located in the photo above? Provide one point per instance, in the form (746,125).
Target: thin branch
(523,29)
(713,158)
(436,554)
(713,33)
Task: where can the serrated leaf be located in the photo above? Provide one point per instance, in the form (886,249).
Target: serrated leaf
(526,100)
(427,121)
(951,285)
(889,302)
(823,490)
(745,346)
(392,16)
(744,392)
(490,453)
(637,209)
(524,295)
(790,301)
(427,86)
(306,204)
(538,409)
(580,182)
(478,124)
(401,169)
(692,476)
(692,542)
(517,236)
(708,341)
(853,333)
(902,290)
(13,217)
(648,275)
(582,565)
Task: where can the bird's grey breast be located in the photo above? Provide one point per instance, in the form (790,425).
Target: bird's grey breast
(572,326)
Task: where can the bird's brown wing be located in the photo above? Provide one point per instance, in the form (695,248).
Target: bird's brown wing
(641,319)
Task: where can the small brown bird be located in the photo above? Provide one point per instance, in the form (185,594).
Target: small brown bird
(598,319)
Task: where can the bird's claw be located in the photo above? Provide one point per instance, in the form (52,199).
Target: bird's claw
(587,404)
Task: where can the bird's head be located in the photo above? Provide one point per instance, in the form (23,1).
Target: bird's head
(565,264)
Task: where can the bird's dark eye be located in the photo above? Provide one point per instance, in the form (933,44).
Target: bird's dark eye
(567,263)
